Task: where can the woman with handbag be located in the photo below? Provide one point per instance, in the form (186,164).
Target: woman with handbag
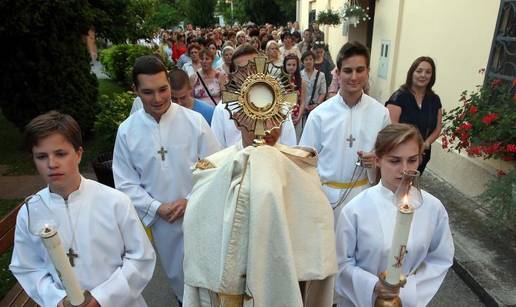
(207,83)
(315,84)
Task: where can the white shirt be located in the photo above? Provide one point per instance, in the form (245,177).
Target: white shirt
(137,105)
(364,235)
(328,129)
(227,133)
(149,180)
(115,258)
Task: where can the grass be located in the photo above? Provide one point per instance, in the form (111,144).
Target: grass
(109,87)
(13,156)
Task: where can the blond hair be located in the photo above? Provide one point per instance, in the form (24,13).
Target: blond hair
(394,135)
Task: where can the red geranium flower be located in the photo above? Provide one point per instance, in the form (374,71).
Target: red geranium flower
(474,150)
(489,118)
(511,148)
(473,110)
(496,82)
(513,82)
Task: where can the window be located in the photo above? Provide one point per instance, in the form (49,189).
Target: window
(502,59)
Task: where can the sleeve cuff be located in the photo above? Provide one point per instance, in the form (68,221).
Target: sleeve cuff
(150,216)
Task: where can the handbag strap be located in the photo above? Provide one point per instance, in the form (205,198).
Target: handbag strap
(315,87)
(206,88)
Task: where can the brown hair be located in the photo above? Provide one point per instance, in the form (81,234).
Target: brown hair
(147,65)
(307,54)
(50,123)
(351,49)
(207,52)
(244,49)
(194,46)
(393,135)
(412,69)
(178,79)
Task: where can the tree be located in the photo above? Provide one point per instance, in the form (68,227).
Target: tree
(45,65)
(200,12)
(168,14)
(122,20)
(259,11)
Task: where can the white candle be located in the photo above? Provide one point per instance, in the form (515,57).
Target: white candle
(58,256)
(399,242)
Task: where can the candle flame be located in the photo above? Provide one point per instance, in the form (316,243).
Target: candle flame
(405,199)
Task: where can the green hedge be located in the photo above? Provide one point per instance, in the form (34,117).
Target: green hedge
(46,65)
(118,61)
(113,111)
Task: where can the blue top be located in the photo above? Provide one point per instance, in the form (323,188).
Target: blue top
(205,109)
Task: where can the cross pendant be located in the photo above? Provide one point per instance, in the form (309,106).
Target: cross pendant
(162,152)
(350,140)
(71,255)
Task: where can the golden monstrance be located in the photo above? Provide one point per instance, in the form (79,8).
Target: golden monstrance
(259,97)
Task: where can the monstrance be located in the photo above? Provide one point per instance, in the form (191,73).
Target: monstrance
(259,97)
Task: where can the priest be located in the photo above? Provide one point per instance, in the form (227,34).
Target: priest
(225,129)
(154,150)
(107,246)
(270,240)
(343,130)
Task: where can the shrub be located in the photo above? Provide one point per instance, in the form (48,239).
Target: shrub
(47,66)
(113,111)
(500,197)
(118,61)
(483,125)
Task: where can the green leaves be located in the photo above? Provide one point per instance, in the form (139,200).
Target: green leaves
(118,61)
(113,111)
(485,124)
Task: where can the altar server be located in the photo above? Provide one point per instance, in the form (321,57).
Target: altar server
(154,150)
(98,226)
(343,130)
(366,225)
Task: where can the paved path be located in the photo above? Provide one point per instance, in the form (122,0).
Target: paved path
(98,70)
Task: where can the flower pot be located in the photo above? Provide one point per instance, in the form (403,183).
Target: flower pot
(353,20)
(103,167)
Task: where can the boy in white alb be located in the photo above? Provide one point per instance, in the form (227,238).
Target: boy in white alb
(154,150)
(98,226)
(343,130)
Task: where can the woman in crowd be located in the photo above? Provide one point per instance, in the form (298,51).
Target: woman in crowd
(291,66)
(178,46)
(416,103)
(289,46)
(255,42)
(217,62)
(194,50)
(366,224)
(321,62)
(273,54)
(315,84)
(227,54)
(207,83)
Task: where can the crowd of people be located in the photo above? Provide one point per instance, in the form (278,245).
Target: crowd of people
(340,151)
